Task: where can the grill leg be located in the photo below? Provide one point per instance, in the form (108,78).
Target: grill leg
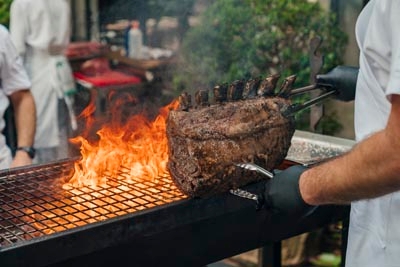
(345,233)
(270,255)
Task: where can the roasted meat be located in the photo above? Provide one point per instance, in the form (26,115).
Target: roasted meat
(241,125)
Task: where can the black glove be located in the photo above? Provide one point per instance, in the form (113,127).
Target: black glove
(343,79)
(282,194)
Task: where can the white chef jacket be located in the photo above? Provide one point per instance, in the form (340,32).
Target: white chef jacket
(12,78)
(40,30)
(374,233)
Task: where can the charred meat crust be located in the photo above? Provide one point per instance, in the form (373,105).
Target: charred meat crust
(205,143)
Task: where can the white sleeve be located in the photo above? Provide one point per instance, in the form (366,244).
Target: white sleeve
(394,81)
(13,74)
(19,26)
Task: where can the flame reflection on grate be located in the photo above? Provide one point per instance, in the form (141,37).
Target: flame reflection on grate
(33,203)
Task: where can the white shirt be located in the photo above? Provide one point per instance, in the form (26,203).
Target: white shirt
(12,78)
(40,24)
(374,233)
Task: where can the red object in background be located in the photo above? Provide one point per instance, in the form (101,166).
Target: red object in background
(84,49)
(108,78)
(95,67)
(98,73)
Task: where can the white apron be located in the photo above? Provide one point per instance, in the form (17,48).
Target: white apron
(51,80)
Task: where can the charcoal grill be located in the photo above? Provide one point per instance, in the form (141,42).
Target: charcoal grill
(130,222)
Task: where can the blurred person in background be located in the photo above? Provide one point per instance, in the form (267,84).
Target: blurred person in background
(14,86)
(368,176)
(40,30)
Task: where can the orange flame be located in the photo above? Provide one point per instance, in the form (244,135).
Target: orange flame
(137,144)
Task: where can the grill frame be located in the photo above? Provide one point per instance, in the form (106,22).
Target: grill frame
(187,232)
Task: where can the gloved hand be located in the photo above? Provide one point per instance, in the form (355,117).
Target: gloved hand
(343,79)
(282,194)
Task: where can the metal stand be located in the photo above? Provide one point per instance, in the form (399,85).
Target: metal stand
(345,233)
(270,255)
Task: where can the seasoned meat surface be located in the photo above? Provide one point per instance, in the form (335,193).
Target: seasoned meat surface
(206,142)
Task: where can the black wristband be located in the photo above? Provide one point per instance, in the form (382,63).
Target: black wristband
(28,149)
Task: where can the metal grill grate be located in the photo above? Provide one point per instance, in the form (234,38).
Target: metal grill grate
(34,204)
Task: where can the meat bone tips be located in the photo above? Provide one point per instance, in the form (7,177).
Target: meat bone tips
(268,85)
(235,90)
(287,86)
(185,101)
(220,93)
(201,98)
(250,88)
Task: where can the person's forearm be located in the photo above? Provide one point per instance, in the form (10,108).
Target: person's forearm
(25,117)
(370,169)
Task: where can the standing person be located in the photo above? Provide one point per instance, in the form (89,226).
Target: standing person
(368,176)
(40,30)
(14,85)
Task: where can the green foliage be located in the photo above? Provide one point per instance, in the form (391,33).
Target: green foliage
(5,12)
(247,38)
(237,39)
(329,124)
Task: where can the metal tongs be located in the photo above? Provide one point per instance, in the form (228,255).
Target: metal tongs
(340,81)
(255,167)
(259,199)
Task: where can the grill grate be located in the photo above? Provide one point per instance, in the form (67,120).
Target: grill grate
(34,204)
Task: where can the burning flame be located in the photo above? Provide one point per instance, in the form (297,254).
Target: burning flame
(136,143)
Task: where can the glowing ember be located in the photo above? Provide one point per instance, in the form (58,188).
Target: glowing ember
(136,143)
